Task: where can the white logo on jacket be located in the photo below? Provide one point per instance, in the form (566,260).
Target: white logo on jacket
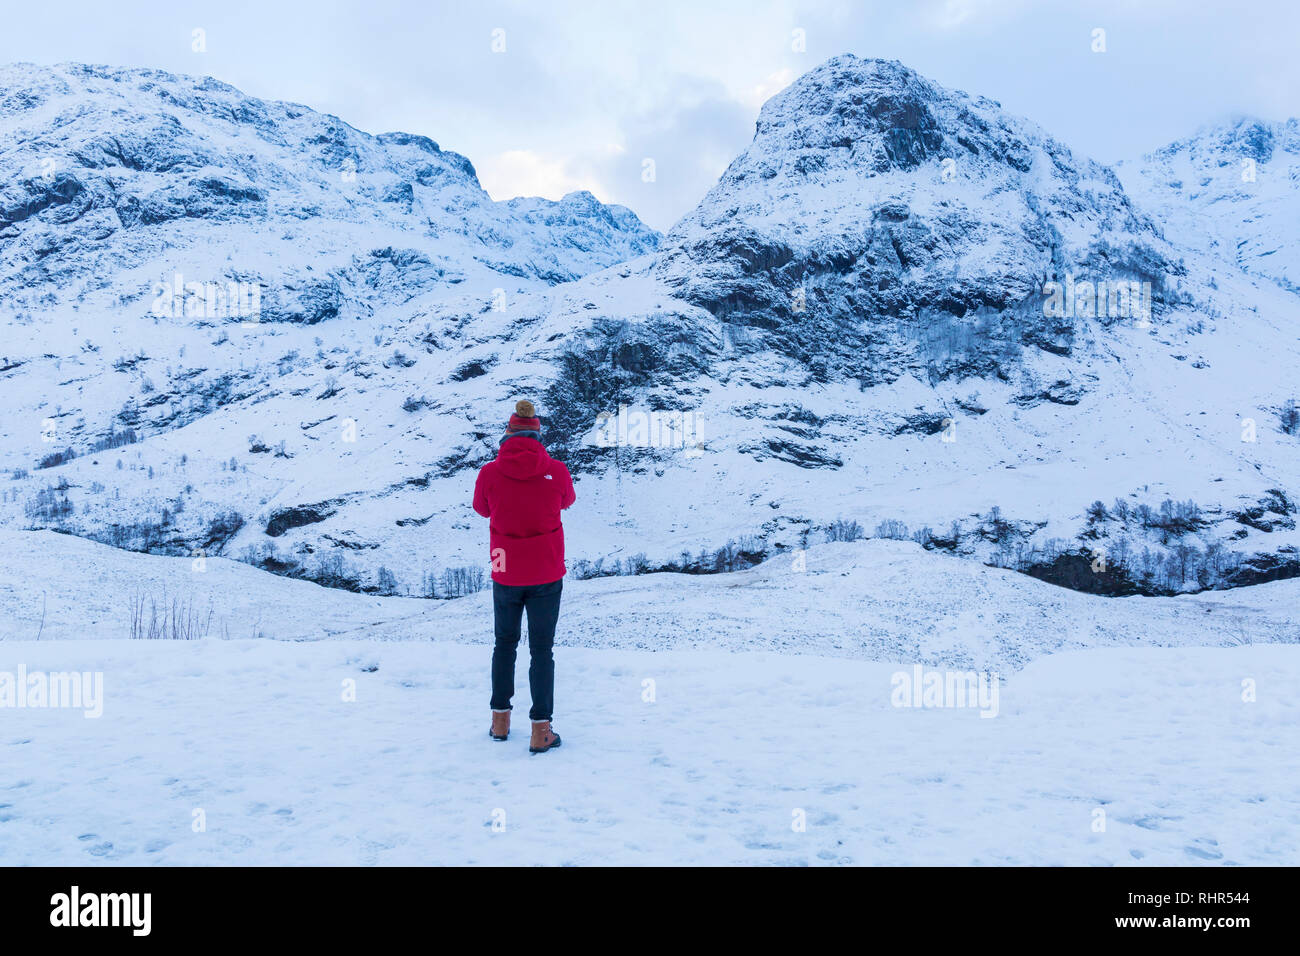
(547,477)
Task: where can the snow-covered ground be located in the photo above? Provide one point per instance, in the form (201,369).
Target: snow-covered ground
(870,600)
(704,720)
(257,735)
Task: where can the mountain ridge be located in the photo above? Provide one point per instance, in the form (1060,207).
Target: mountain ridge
(186,151)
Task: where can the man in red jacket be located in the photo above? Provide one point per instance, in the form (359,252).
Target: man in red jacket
(522,493)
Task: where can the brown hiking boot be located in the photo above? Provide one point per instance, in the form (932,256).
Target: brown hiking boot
(500,725)
(543,739)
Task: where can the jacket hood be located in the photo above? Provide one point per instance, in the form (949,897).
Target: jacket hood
(522,457)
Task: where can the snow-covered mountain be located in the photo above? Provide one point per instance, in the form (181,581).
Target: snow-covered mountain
(876,214)
(900,307)
(1230,190)
(116,179)
(900,319)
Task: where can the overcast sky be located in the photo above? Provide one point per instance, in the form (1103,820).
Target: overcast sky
(583,92)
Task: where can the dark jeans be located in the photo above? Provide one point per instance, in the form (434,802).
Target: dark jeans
(509,601)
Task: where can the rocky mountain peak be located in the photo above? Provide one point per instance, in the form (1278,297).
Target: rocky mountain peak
(874,205)
(876,107)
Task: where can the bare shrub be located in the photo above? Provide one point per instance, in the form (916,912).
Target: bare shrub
(841,530)
(893,529)
(159,617)
(56,458)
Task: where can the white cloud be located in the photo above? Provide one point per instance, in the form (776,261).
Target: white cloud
(523,172)
(771,85)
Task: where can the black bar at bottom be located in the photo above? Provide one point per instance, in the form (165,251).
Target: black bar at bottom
(335,905)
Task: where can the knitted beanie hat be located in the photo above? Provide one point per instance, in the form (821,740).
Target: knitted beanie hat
(524,419)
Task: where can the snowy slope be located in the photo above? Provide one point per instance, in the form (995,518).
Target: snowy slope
(869,600)
(854,319)
(1229,190)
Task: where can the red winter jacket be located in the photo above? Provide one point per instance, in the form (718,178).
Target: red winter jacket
(521,494)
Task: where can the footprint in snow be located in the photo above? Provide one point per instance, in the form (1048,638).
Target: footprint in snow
(832,857)
(1204,848)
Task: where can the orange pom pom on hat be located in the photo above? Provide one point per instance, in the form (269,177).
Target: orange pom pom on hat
(525,418)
